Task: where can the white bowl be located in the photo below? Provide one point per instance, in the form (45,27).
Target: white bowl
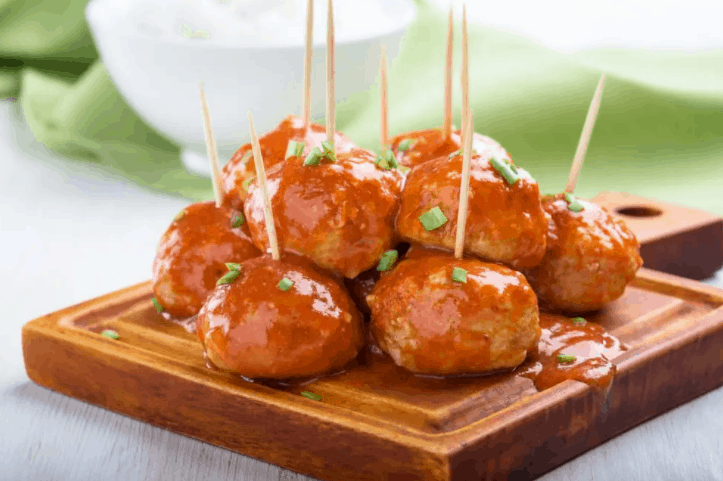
(159,76)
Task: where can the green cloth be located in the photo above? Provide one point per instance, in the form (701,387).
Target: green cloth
(658,132)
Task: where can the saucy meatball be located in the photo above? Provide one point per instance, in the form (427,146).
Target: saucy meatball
(191,255)
(505,223)
(416,147)
(339,214)
(431,323)
(236,173)
(591,256)
(280,319)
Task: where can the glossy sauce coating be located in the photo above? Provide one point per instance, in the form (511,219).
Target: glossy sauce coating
(253,328)
(505,223)
(430,324)
(191,254)
(425,145)
(592,347)
(273,150)
(591,257)
(338,214)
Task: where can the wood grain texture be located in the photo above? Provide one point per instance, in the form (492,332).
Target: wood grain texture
(376,421)
(675,239)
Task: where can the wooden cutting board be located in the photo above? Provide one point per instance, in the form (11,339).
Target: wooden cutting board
(376,421)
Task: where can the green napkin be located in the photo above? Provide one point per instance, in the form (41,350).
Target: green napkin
(658,132)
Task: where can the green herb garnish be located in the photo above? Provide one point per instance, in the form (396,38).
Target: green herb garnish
(505,169)
(459,275)
(404,145)
(238,221)
(433,218)
(578,320)
(328,150)
(311,395)
(246,183)
(234,271)
(247,157)
(180,215)
(294,149)
(565,358)
(314,157)
(110,333)
(285,284)
(157,305)
(572,203)
(386,160)
(387,261)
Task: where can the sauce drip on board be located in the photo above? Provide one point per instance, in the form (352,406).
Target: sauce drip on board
(592,348)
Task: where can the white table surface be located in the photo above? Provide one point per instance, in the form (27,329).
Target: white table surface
(68,233)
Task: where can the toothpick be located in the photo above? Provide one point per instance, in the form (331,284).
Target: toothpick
(211,147)
(447,125)
(330,97)
(383,94)
(261,177)
(465,75)
(585,137)
(464,189)
(307,61)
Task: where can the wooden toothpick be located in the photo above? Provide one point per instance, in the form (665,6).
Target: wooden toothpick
(307,61)
(447,124)
(465,75)
(383,95)
(211,147)
(330,96)
(261,176)
(464,189)
(585,137)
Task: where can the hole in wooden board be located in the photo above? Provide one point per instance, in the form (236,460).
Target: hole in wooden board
(639,211)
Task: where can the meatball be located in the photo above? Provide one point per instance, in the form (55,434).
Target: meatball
(505,223)
(280,319)
(240,168)
(591,256)
(338,214)
(417,147)
(430,323)
(191,255)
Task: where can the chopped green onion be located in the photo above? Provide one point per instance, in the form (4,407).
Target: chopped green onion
(157,305)
(404,145)
(180,215)
(110,333)
(314,157)
(433,218)
(285,284)
(505,169)
(328,150)
(565,358)
(294,149)
(247,182)
(386,160)
(238,221)
(387,261)
(233,266)
(404,169)
(573,204)
(311,395)
(247,156)
(229,277)
(578,320)
(459,275)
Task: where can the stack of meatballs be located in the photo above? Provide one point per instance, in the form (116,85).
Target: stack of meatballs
(371,236)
